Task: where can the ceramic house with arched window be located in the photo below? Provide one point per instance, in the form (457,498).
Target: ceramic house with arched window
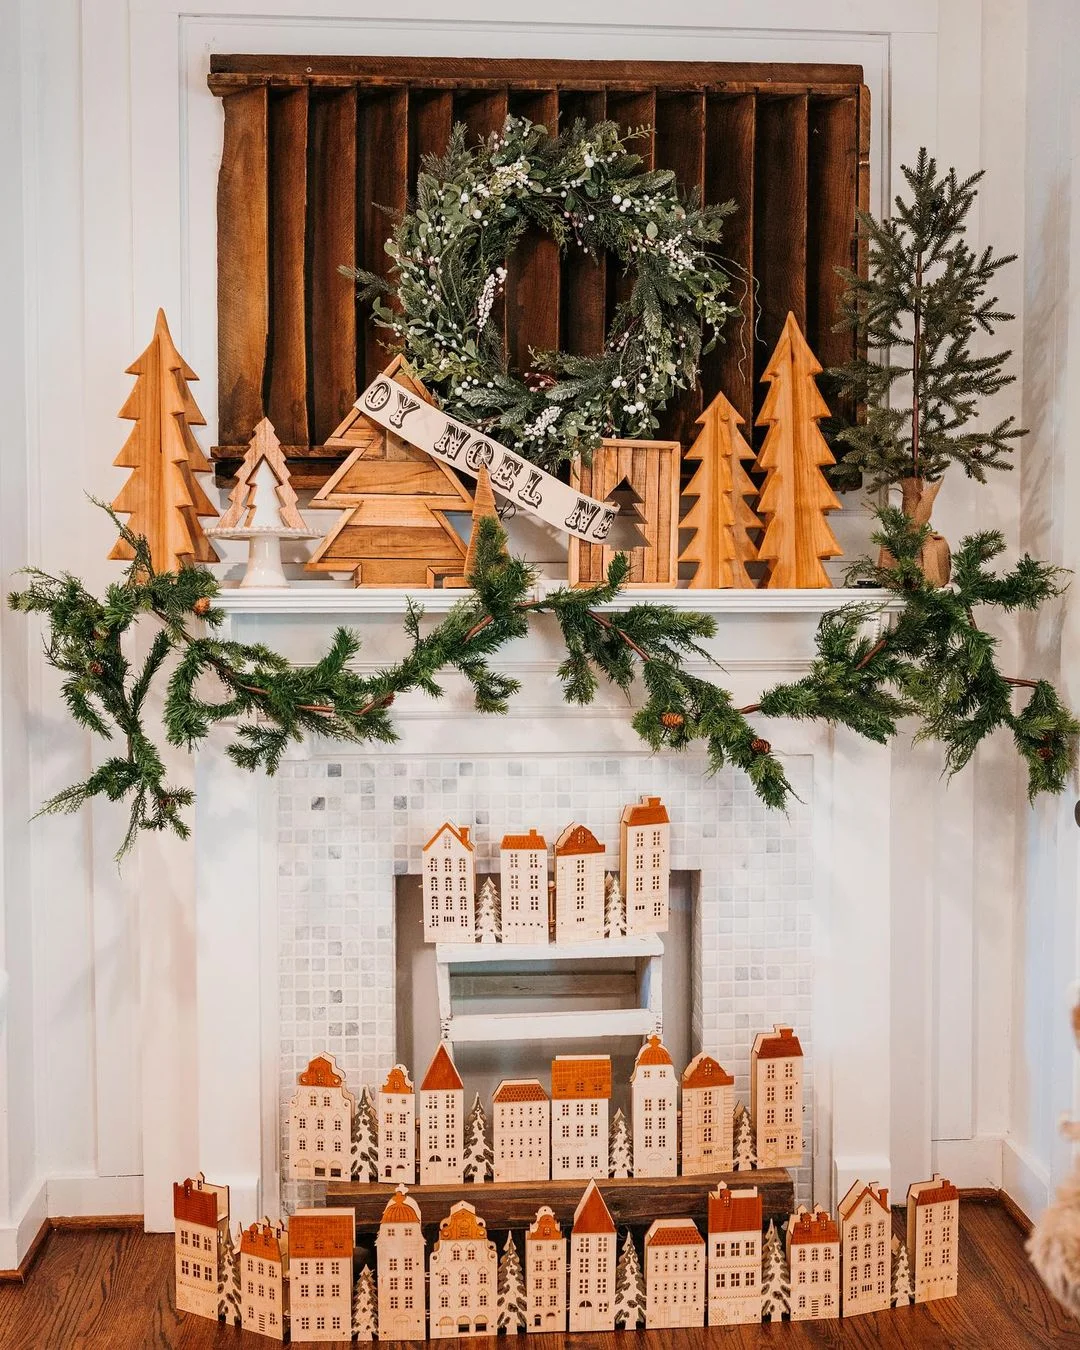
(449,879)
(865,1249)
(707,1116)
(645,846)
(776,1064)
(400,1245)
(201,1221)
(813,1253)
(580,1093)
(397,1127)
(320,1274)
(933,1218)
(654,1107)
(674,1274)
(264,1279)
(462,1277)
(592,1264)
(521,1136)
(442,1122)
(320,1123)
(734,1256)
(579,886)
(523,887)
(545,1273)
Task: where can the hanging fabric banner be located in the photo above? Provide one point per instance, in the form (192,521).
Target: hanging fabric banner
(464,448)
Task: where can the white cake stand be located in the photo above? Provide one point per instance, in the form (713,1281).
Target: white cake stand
(264,555)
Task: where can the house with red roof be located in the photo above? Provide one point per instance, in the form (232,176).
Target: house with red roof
(734,1256)
(579,886)
(449,883)
(545,1273)
(523,887)
(865,1249)
(813,1253)
(397,1127)
(654,1109)
(201,1222)
(521,1130)
(320,1274)
(400,1246)
(264,1279)
(776,1097)
(580,1094)
(463,1275)
(674,1274)
(933,1237)
(707,1117)
(592,1264)
(645,868)
(320,1123)
(442,1122)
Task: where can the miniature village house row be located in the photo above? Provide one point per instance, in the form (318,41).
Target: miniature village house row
(397,1127)
(735,1218)
(449,885)
(400,1245)
(320,1123)
(463,1277)
(201,1221)
(320,1274)
(521,1134)
(580,1093)
(776,1097)
(545,1273)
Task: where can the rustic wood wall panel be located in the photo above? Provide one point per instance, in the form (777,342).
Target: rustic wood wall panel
(313,146)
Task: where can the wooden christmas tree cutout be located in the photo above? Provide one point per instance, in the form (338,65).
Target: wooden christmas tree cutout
(626,532)
(162,499)
(795,495)
(721,517)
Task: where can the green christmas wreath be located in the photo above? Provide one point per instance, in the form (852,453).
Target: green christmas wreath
(586,190)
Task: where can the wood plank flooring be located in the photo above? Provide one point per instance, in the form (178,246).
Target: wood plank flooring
(113,1291)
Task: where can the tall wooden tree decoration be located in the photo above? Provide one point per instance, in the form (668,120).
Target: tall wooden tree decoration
(721,517)
(795,495)
(162,499)
(483,509)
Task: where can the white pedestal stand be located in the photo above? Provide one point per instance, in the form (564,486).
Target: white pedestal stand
(264,555)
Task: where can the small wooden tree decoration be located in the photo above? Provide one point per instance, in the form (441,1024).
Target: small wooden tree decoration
(721,516)
(745,1151)
(629,1288)
(511,1292)
(620,1150)
(262,509)
(483,509)
(365,1139)
(365,1313)
(488,922)
(903,1289)
(795,495)
(162,499)
(230,1290)
(478,1155)
(775,1278)
(614,910)
(626,533)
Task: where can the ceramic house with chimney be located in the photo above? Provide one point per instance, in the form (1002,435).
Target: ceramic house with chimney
(201,1222)
(645,846)
(264,1279)
(320,1123)
(580,1093)
(579,886)
(654,1108)
(592,1264)
(708,1109)
(776,1064)
(674,1274)
(463,1277)
(397,1127)
(545,1273)
(320,1274)
(813,1253)
(933,1228)
(523,887)
(400,1246)
(449,883)
(865,1249)
(735,1218)
(521,1131)
(442,1123)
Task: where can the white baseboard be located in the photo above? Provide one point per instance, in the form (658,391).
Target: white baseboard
(27,1218)
(969,1163)
(1025,1180)
(77,1197)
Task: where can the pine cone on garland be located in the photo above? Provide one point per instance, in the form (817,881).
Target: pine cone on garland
(202,605)
(672,719)
(760,746)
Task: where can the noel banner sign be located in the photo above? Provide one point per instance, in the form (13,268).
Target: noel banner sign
(464,448)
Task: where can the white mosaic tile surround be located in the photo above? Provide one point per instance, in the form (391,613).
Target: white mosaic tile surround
(346,826)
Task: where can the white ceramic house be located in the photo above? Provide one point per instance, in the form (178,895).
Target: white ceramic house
(523,887)
(813,1253)
(933,1233)
(397,1127)
(592,1264)
(734,1256)
(201,1221)
(521,1131)
(264,1279)
(400,1245)
(320,1274)
(865,1249)
(708,1110)
(674,1274)
(579,886)
(654,1107)
(776,1063)
(449,880)
(442,1123)
(580,1093)
(320,1123)
(545,1273)
(645,870)
(463,1277)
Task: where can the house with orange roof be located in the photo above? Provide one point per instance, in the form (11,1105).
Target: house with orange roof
(580,1093)
(320,1274)
(644,865)
(776,1105)
(654,1110)
(708,1109)
(400,1246)
(320,1123)
(397,1127)
(579,885)
(933,1237)
(813,1253)
(545,1273)
(592,1264)
(264,1279)
(865,1249)
(201,1223)
(449,881)
(521,1131)
(674,1274)
(463,1276)
(442,1122)
(523,887)
(734,1256)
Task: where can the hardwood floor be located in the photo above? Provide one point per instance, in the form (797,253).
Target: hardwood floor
(113,1291)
